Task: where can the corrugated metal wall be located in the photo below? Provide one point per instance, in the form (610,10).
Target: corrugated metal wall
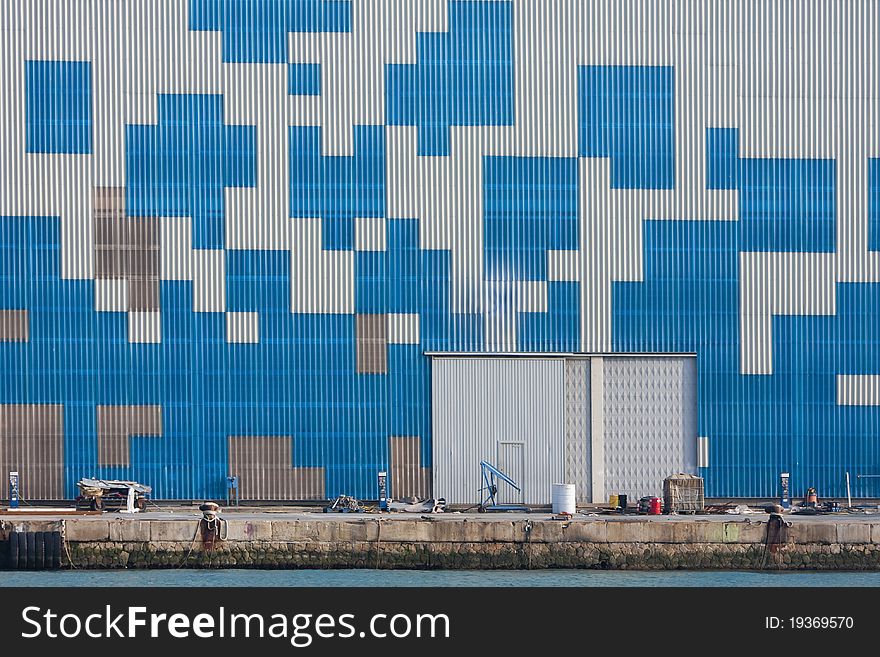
(485,406)
(257,217)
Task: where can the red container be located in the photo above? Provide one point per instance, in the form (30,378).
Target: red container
(656,506)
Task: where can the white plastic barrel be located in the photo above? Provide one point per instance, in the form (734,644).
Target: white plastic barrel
(563,498)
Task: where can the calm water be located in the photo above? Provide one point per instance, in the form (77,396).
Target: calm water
(226,578)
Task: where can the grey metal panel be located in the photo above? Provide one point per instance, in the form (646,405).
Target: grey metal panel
(479,402)
(650,423)
(578,458)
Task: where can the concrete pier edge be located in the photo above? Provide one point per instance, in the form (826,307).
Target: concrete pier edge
(463,541)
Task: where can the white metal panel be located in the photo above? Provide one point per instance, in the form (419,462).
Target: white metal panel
(481,402)
(650,428)
(703,451)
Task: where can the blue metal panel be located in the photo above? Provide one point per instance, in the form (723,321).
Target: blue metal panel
(722,158)
(787,421)
(529,207)
(255,31)
(626,113)
(558,329)
(337,188)
(463,76)
(874,204)
(787,205)
(258,280)
(304,79)
(58,99)
(299,381)
(180,167)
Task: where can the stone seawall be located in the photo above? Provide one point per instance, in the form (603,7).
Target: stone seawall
(464,543)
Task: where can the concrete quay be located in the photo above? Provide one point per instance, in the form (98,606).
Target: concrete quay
(271,539)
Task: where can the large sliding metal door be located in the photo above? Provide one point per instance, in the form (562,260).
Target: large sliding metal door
(495,409)
(607,424)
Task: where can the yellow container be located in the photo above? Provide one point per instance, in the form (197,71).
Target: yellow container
(613,501)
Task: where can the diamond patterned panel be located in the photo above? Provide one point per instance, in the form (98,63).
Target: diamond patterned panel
(577,427)
(650,428)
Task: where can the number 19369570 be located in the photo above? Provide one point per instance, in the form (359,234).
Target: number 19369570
(809,623)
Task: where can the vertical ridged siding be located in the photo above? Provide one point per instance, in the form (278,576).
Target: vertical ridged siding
(675,177)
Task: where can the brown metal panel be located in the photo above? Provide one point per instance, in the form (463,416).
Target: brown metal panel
(372,344)
(263,466)
(140,263)
(116,424)
(128,248)
(109,199)
(108,264)
(139,233)
(143,294)
(14,326)
(32,443)
(107,227)
(408,477)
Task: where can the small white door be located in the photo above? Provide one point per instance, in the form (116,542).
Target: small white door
(511,461)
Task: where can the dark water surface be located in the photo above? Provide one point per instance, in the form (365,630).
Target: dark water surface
(322,578)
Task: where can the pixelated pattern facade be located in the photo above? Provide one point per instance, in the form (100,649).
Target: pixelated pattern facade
(256,217)
(116,425)
(462,77)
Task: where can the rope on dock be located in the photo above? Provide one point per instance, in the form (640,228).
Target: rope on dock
(378,540)
(64,543)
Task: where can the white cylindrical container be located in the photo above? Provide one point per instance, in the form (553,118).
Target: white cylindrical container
(563,498)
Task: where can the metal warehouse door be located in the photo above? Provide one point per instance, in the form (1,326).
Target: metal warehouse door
(480,403)
(650,422)
(511,461)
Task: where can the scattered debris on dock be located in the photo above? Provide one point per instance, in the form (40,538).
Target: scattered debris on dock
(112,494)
